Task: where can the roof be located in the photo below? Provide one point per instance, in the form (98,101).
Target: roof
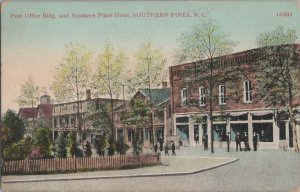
(28,112)
(157,95)
(46,110)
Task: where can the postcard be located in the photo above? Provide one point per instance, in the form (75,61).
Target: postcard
(150,95)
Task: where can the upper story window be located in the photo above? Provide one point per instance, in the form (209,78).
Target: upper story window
(222,94)
(202,98)
(184,97)
(247,91)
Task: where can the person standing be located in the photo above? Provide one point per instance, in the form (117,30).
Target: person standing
(238,142)
(155,147)
(246,142)
(166,150)
(255,140)
(173,149)
(228,141)
(206,142)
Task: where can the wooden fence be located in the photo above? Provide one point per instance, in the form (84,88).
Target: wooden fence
(60,165)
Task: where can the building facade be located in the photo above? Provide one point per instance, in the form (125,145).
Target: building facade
(148,113)
(236,103)
(65,117)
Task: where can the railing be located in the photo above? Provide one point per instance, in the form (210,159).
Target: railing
(60,165)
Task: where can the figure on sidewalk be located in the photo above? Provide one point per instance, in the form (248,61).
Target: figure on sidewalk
(155,147)
(255,141)
(173,149)
(228,141)
(246,142)
(197,138)
(166,150)
(238,142)
(205,141)
(161,143)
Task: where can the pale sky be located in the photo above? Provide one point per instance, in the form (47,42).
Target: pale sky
(35,46)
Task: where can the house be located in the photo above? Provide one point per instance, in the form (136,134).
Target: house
(65,117)
(148,113)
(39,116)
(236,104)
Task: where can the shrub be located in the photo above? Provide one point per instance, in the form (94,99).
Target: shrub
(88,149)
(61,146)
(42,141)
(121,147)
(111,148)
(71,143)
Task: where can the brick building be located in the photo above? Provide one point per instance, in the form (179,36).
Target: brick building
(237,106)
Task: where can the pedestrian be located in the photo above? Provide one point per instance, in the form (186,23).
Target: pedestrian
(206,142)
(155,147)
(161,144)
(173,149)
(238,142)
(246,142)
(197,138)
(166,150)
(255,141)
(228,141)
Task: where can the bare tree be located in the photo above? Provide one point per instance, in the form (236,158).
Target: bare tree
(207,41)
(72,78)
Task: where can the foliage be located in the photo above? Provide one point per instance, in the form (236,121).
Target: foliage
(277,37)
(151,68)
(88,149)
(29,93)
(19,150)
(206,40)
(61,146)
(101,143)
(42,141)
(12,128)
(36,153)
(112,147)
(121,147)
(71,143)
(110,75)
(72,78)
(137,145)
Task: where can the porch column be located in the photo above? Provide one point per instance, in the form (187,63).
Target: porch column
(250,130)
(275,134)
(191,132)
(287,133)
(174,125)
(209,130)
(165,130)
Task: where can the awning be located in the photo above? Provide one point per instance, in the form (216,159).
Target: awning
(262,113)
(238,114)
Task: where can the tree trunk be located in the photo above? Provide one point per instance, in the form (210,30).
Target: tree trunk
(295,135)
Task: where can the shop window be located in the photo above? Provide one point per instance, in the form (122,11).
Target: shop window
(239,118)
(264,131)
(247,91)
(219,132)
(182,119)
(263,117)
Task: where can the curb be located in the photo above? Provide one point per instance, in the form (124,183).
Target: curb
(122,176)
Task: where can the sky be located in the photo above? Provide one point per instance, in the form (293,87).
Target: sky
(33,43)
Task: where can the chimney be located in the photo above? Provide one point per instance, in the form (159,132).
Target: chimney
(164,84)
(88,94)
(45,99)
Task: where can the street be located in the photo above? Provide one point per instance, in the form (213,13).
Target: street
(268,170)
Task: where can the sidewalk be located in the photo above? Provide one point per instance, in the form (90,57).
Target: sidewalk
(171,166)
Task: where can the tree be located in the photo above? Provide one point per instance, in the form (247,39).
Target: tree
(12,128)
(279,75)
(151,68)
(61,146)
(71,143)
(19,150)
(72,79)
(42,141)
(29,93)
(109,79)
(137,115)
(207,40)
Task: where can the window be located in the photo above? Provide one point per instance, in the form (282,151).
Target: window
(222,94)
(184,97)
(202,99)
(247,91)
